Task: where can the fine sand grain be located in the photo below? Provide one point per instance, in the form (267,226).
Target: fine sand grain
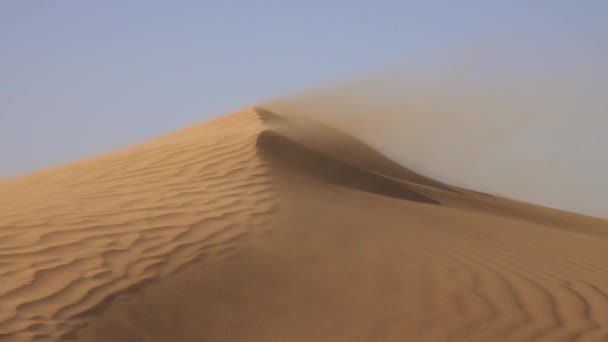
(259,227)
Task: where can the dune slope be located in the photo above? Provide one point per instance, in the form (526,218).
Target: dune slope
(259,227)
(74,237)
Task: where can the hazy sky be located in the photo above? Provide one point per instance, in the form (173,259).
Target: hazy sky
(81,77)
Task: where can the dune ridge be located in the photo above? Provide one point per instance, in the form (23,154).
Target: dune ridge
(260,227)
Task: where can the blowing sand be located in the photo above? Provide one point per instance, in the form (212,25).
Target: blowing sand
(259,227)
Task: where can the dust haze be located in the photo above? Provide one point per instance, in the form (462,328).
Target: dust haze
(525,123)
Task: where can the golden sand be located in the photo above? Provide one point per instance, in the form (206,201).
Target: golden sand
(259,227)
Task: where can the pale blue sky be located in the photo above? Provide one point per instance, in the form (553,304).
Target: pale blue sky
(82,77)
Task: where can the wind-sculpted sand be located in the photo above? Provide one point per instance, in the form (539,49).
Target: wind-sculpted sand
(260,227)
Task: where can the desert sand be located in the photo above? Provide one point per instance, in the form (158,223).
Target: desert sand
(260,227)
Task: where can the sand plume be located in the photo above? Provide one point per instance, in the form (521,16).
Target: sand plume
(520,120)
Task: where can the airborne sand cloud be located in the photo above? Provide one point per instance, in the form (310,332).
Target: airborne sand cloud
(520,121)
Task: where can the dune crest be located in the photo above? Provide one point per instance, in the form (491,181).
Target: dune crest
(259,227)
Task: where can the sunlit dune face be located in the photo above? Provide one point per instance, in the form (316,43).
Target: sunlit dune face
(258,226)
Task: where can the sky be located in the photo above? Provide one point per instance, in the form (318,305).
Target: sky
(82,77)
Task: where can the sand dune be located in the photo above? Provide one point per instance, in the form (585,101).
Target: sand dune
(259,227)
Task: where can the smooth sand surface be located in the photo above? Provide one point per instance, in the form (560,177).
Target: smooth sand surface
(259,227)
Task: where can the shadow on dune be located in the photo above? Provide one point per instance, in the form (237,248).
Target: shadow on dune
(301,158)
